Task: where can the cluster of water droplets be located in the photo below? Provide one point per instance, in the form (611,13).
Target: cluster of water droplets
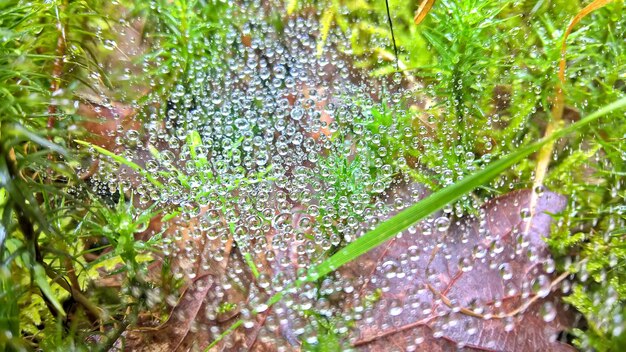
(277,158)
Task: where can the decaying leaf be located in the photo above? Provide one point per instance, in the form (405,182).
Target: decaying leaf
(182,321)
(480,284)
(477,283)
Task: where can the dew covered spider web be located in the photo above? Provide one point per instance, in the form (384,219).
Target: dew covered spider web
(270,158)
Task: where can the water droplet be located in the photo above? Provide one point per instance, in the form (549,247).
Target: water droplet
(442,224)
(548,312)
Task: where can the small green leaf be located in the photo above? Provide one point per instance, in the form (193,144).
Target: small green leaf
(251,265)
(325,23)
(170,216)
(291,7)
(193,141)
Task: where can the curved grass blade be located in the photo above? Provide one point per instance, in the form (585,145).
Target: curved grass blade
(19,130)
(41,280)
(545,153)
(423,11)
(122,161)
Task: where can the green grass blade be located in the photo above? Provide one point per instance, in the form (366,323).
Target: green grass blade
(400,222)
(230,329)
(122,161)
(403,220)
(26,134)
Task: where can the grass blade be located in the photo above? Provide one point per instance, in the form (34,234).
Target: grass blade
(400,222)
(42,282)
(543,159)
(122,161)
(391,227)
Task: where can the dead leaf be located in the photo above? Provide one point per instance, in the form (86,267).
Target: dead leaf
(181,323)
(481,285)
(197,320)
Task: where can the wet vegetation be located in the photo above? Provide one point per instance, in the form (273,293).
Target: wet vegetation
(206,175)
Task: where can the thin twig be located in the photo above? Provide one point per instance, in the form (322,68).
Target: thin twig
(393,37)
(76,294)
(512,313)
(414,324)
(115,335)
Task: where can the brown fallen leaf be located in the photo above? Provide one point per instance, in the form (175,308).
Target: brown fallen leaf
(104,123)
(481,285)
(199,311)
(171,335)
